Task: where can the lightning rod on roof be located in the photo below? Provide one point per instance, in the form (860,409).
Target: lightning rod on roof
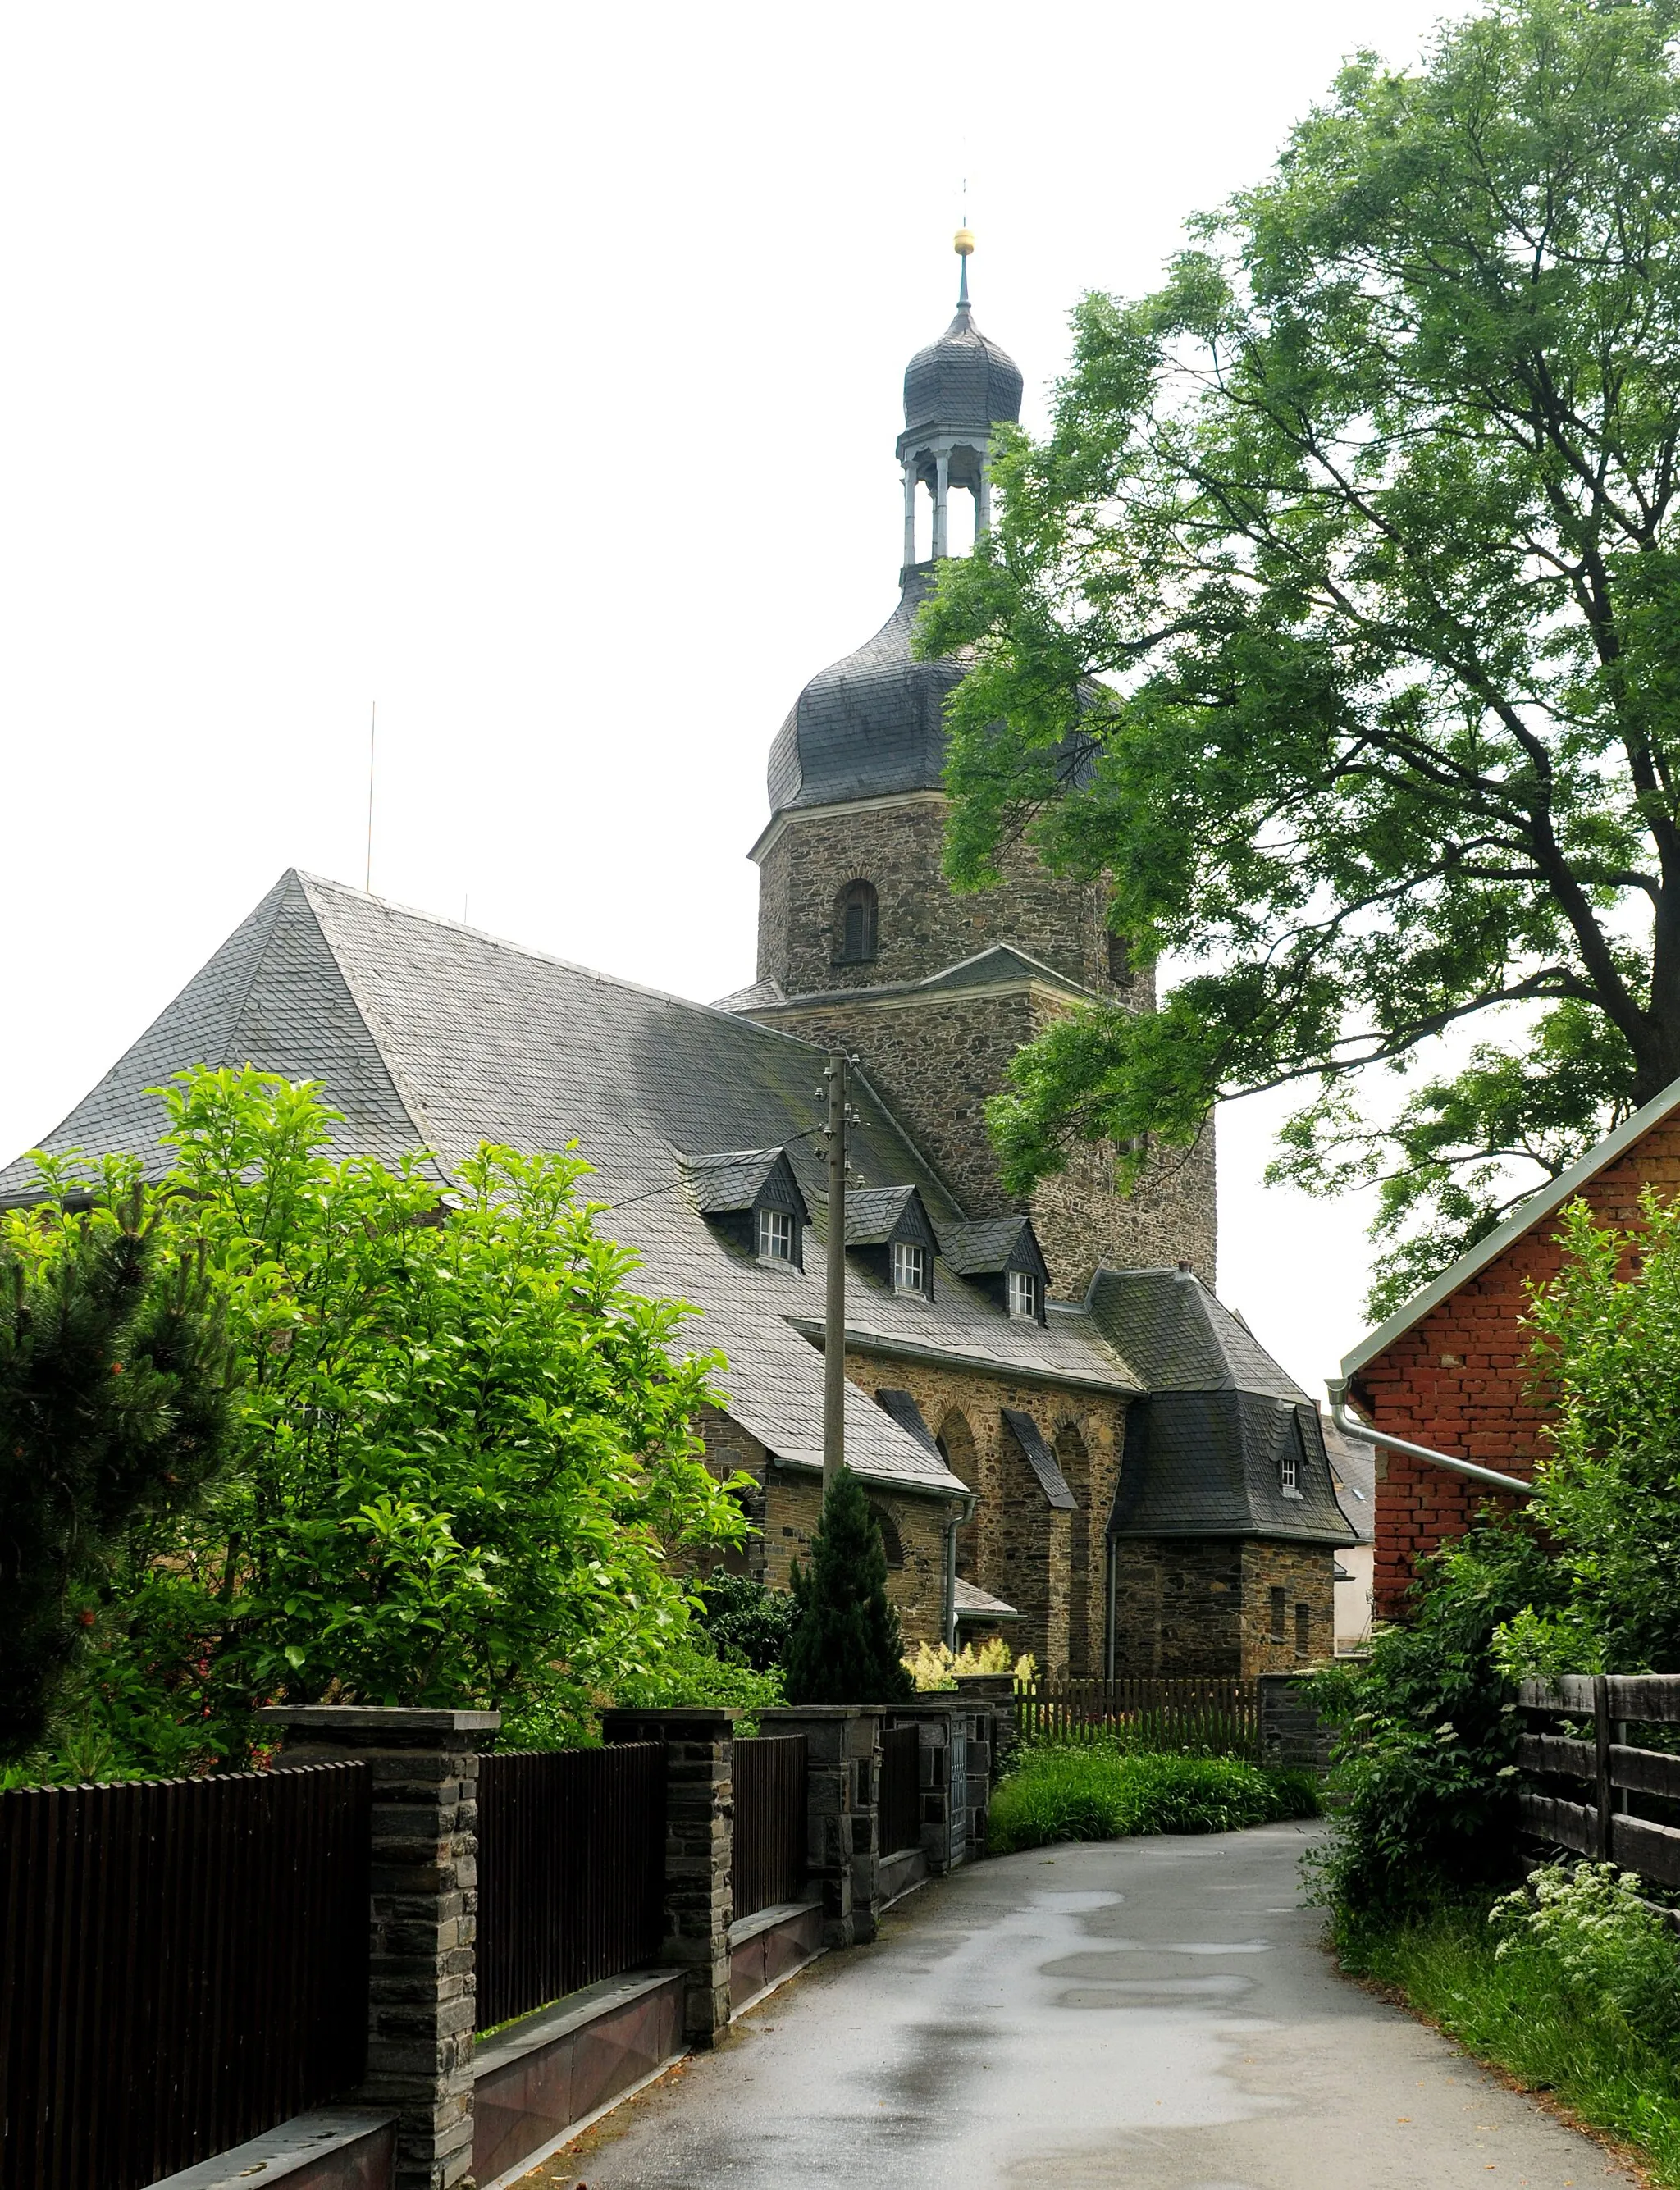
(372,726)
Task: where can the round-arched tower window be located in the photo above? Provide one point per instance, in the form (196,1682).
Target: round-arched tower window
(854,913)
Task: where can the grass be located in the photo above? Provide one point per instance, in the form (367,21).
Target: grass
(1524,2016)
(1097,1791)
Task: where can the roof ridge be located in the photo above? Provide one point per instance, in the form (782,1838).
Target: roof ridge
(406,1094)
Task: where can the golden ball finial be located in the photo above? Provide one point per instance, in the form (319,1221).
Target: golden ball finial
(965,241)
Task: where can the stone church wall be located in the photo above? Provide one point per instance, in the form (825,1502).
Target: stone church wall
(922,924)
(1201,1605)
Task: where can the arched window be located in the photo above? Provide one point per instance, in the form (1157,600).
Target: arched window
(855,925)
(892,1543)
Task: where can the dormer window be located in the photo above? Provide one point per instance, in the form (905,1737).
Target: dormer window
(1293,1460)
(778,1236)
(1023,1296)
(854,913)
(909,1266)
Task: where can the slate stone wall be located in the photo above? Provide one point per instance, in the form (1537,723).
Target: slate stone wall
(1187,1605)
(1459,1380)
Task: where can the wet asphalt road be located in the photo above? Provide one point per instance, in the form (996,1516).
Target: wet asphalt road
(1154,2013)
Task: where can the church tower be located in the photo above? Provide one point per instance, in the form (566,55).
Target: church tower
(862,944)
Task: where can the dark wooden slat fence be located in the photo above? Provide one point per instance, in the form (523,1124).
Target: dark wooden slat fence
(183,1965)
(1604,1825)
(770,1821)
(900,1814)
(1169,1713)
(571,1871)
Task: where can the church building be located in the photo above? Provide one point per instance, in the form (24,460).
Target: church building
(1067,1438)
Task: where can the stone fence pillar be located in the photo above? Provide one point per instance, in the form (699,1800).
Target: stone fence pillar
(941,1721)
(699,1853)
(994,1694)
(1292,1734)
(423,1888)
(843,1797)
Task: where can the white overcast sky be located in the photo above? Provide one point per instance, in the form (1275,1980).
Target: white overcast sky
(534,369)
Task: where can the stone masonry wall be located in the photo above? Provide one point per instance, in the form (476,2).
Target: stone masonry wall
(1194,1605)
(935,1060)
(1022,1545)
(1459,1380)
(922,924)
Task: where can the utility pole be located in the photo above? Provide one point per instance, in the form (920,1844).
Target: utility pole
(834,1321)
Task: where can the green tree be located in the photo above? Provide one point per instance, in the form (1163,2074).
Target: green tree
(1364,523)
(845,1648)
(465,1469)
(113,1413)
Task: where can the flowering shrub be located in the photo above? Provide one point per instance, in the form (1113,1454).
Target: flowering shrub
(934,1666)
(1589,1922)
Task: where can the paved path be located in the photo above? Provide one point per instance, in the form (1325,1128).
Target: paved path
(1155,2014)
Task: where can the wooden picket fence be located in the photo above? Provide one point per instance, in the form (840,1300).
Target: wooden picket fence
(1618,1816)
(1221,1717)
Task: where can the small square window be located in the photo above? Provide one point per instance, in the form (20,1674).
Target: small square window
(776,1235)
(1023,1295)
(909,1266)
(1286,1468)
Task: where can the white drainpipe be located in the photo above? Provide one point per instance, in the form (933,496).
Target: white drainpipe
(958,1521)
(1349,1427)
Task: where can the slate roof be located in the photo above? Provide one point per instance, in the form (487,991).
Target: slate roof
(972,1603)
(1040,1459)
(871,725)
(427,1033)
(872,1213)
(1352,1467)
(1179,1338)
(982,1248)
(719,1185)
(964,380)
(904,1410)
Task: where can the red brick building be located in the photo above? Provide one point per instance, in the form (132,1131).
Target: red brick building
(1451,1370)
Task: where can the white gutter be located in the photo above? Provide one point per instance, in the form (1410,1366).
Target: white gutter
(1351,1427)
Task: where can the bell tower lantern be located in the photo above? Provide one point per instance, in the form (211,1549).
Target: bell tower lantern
(955,392)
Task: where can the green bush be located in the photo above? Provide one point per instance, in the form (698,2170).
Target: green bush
(1095,1791)
(1426,1760)
(1571,1988)
(748,1621)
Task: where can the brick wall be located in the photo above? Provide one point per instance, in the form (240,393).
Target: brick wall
(1459,1380)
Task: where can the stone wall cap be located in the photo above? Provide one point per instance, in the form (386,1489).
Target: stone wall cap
(678,1715)
(818,1711)
(377,1718)
(576,2012)
(295,2148)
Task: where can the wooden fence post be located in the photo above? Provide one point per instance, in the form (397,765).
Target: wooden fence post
(1601,1757)
(423,1765)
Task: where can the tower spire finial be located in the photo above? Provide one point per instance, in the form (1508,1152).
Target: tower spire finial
(965,244)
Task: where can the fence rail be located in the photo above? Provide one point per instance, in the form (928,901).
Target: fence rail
(183,1965)
(571,1871)
(1166,1713)
(771,1824)
(900,1813)
(1605,1827)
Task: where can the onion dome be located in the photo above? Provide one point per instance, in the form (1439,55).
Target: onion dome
(869,726)
(964,381)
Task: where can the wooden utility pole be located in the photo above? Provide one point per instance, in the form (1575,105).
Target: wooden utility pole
(834,1320)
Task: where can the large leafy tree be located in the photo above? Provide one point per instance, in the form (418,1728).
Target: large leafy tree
(463,1466)
(1365,526)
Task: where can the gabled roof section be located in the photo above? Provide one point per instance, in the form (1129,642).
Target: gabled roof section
(724,1185)
(1524,1218)
(1176,1337)
(999,964)
(973,1602)
(275,996)
(876,1214)
(991,1245)
(1041,1460)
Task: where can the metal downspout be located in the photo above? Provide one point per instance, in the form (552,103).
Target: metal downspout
(957,1522)
(1350,1426)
